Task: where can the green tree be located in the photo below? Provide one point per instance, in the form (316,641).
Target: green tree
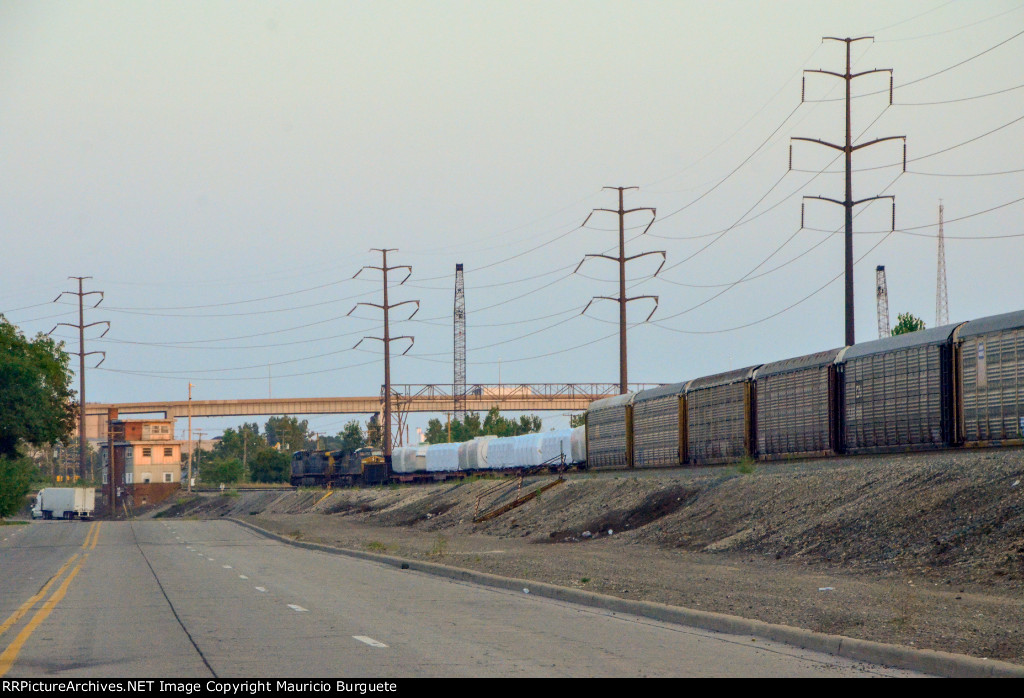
(35,391)
(352,436)
(217,470)
(577,420)
(36,407)
(270,465)
(242,443)
(16,475)
(471,427)
(907,323)
(288,433)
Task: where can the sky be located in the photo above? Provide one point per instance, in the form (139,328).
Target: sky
(221,170)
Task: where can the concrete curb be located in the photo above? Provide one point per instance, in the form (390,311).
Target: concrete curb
(925,661)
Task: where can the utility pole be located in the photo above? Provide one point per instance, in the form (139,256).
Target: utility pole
(82,353)
(386,340)
(941,294)
(622,300)
(848,203)
(459,314)
(882,299)
(190,447)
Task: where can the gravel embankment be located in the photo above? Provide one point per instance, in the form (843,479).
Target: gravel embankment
(924,550)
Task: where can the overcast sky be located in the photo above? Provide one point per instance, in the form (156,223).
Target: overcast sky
(222,169)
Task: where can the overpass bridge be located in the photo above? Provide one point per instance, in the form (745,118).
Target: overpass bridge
(536,397)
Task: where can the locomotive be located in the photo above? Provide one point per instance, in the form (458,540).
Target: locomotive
(363,466)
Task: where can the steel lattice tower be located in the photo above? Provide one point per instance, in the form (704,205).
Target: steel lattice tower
(882,295)
(941,294)
(459,385)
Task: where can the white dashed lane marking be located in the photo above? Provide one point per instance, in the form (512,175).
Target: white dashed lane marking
(262,590)
(369,641)
(297,608)
(227,567)
(242,576)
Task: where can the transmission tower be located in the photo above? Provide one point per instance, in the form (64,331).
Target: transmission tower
(387,339)
(82,353)
(941,294)
(459,386)
(882,295)
(848,203)
(622,300)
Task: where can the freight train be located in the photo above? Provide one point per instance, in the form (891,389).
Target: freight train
(960,385)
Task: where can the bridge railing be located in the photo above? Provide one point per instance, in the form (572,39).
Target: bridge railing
(507,391)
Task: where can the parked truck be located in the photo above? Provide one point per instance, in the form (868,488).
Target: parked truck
(65,503)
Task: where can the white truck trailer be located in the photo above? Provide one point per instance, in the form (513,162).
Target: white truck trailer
(65,503)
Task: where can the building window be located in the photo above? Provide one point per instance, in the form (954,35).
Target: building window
(127,478)
(167,477)
(146,477)
(168,451)
(147,452)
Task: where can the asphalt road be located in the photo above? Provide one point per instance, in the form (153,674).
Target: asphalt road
(212,599)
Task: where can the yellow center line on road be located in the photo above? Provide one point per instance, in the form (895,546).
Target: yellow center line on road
(11,653)
(16,616)
(92,535)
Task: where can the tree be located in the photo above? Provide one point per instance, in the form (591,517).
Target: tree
(270,465)
(16,476)
(352,436)
(242,443)
(222,470)
(288,433)
(907,323)
(471,427)
(578,420)
(36,406)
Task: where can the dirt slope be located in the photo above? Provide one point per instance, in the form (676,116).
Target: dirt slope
(925,549)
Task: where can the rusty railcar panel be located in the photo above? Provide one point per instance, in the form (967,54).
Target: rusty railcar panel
(609,437)
(657,419)
(795,406)
(898,392)
(991,363)
(719,418)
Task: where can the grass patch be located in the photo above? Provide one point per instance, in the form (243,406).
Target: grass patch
(375,546)
(440,547)
(585,580)
(12,523)
(746,465)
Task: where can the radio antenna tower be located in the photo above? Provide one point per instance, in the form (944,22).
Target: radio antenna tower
(459,386)
(882,294)
(941,294)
